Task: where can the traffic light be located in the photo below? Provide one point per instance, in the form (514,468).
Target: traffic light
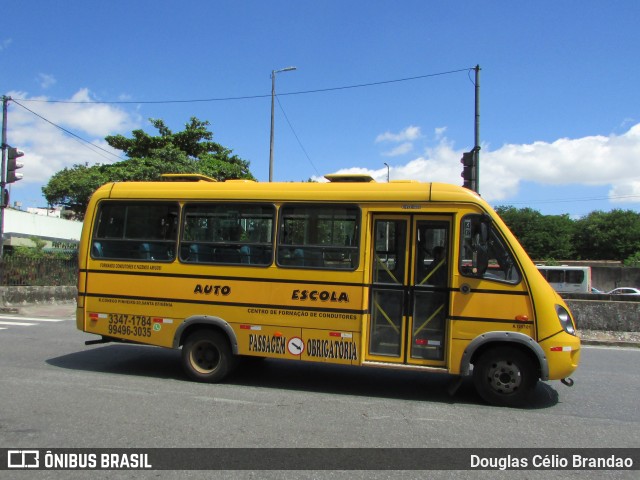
(469,170)
(13,165)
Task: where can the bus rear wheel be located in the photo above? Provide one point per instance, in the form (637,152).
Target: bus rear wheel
(505,376)
(207,356)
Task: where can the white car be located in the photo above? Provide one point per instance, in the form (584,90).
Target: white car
(624,291)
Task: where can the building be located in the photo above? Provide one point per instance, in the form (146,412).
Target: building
(20,226)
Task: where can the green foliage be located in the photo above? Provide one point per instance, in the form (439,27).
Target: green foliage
(542,236)
(39,243)
(633,260)
(72,187)
(38,252)
(551,262)
(189,151)
(36,266)
(613,235)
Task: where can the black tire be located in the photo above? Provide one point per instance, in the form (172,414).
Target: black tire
(505,376)
(207,356)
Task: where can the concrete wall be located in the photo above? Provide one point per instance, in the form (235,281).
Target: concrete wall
(617,316)
(16,296)
(608,278)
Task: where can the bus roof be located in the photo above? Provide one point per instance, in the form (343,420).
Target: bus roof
(359,191)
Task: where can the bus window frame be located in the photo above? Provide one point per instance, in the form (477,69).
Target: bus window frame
(141,248)
(267,250)
(487,237)
(295,256)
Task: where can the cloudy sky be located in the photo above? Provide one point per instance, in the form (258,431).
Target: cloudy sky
(378,83)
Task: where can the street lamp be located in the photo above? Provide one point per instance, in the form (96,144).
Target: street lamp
(273,96)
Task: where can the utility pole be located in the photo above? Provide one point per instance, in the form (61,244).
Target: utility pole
(471,160)
(3,182)
(476,146)
(273,96)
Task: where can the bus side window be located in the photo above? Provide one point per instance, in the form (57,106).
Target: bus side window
(319,237)
(227,234)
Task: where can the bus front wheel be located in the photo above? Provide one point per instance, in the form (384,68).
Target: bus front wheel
(505,376)
(207,356)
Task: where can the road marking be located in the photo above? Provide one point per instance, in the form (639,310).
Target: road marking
(34,319)
(13,321)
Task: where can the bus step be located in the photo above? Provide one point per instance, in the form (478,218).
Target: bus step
(95,342)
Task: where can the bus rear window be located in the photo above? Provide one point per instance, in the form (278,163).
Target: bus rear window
(136,231)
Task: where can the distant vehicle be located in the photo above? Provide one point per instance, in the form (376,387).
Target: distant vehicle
(566,279)
(624,291)
(596,290)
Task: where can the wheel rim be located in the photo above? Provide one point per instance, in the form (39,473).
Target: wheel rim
(205,357)
(504,376)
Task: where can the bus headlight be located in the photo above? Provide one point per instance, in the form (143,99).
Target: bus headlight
(565,320)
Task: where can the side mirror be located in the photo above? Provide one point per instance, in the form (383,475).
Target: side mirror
(480,251)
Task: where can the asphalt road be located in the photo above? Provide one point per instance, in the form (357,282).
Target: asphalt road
(56,392)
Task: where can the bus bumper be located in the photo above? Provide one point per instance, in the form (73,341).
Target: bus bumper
(563,355)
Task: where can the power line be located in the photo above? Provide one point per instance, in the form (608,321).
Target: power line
(296,135)
(79,139)
(253,97)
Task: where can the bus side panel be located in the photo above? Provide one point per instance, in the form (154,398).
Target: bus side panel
(331,346)
(150,322)
(269,341)
(298,344)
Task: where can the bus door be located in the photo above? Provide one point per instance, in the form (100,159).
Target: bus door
(409,290)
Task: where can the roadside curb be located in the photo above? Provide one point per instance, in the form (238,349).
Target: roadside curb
(609,343)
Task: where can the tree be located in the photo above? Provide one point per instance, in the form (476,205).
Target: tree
(613,235)
(542,236)
(189,151)
(72,187)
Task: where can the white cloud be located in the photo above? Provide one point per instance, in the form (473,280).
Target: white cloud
(625,192)
(408,134)
(46,80)
(597,160)
(48,149)
(440,131)
(401,149)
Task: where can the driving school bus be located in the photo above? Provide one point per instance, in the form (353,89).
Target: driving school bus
(408,275)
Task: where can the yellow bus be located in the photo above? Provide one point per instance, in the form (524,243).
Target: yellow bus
(407,275)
